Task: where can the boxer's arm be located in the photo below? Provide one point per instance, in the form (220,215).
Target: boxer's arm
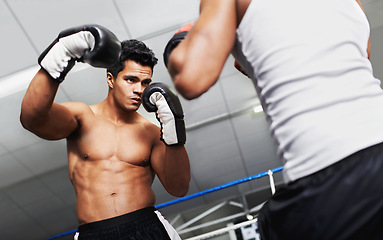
(196,63)
(171,165)
(92,44)
(41,115)
(369,42)
(169,158)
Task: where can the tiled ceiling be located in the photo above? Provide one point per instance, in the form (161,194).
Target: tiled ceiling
(226,139)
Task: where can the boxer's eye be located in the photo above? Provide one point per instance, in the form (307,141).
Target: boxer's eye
(146,83)
(131,79)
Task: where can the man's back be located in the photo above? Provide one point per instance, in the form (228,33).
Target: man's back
(310,64)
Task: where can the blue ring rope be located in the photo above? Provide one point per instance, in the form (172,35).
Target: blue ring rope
(63,234)
(195,195)
(223,186)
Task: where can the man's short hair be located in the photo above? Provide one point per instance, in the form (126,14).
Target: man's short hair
(136,51)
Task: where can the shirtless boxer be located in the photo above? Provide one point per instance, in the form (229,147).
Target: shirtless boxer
(309,61)
(113,152)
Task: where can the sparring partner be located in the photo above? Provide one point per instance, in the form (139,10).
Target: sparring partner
(114,153)
(309,61)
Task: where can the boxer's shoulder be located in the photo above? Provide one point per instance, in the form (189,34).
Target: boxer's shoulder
(149,129)
(78,107)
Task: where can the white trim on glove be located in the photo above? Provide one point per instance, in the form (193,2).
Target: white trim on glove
(166,117)
(72,46)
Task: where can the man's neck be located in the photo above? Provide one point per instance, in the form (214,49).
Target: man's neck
(112,112)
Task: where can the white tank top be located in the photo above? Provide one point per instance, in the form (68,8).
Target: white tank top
(308,61)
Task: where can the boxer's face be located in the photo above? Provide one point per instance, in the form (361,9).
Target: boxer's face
(127,88)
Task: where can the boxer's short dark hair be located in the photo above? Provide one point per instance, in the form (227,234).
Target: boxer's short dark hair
(136,51)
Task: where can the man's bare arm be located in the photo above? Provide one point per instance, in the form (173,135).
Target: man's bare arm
(169,158)
(196,63)
(369,42)
(172,166)
(40,114)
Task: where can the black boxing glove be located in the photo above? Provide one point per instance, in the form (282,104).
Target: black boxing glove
(92,44)
(175,40)
(159,98)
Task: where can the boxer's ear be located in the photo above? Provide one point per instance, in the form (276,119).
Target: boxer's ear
(110,79)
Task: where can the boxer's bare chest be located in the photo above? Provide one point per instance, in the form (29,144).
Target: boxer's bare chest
(99,139)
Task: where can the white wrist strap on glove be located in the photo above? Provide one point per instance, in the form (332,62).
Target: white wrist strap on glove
(166,117)
(72,46)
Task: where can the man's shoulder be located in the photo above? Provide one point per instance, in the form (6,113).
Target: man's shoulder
(79,105)
(78,108)
(148,124)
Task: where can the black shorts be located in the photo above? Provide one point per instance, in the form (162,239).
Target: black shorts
(343,201)
(143,224)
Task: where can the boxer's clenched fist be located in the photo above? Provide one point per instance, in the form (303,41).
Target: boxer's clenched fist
(175,40)
(91,44)
(159,98)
